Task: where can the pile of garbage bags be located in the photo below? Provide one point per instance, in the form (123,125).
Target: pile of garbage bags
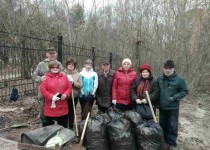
(116,130)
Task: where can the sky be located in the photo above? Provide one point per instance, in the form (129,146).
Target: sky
(88,4)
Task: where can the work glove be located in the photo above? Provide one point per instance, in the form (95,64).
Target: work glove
(70,79)
(114,101)
(138,101)
(54,99)
(144,101)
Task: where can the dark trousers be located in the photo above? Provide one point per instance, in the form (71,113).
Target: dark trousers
(169,124)
(71,112)
(123,107)
(86,107)
(62,120)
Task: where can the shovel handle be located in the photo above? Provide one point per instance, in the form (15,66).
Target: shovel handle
(150,105)
(75,115)
(84,129)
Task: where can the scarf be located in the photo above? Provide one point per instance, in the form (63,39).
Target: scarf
(143,86)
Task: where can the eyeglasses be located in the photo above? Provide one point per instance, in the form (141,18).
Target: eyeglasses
(54,67)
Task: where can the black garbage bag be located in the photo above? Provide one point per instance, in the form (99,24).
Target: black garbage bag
(96,133)
(149,135)
(120,136)
(113,113)
(106,118)
(134,119)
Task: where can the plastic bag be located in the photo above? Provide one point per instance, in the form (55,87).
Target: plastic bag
(55,140)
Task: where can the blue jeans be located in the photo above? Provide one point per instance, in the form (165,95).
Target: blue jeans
(169,124)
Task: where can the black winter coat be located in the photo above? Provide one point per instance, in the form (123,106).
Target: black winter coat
(154,90)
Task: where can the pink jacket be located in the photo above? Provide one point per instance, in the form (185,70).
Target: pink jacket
(55,83)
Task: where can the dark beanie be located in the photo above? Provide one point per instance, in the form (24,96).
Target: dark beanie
(145,67)
(169,64)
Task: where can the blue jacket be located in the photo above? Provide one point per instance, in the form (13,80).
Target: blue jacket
(89,80)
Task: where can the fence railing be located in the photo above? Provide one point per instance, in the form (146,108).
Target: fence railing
(19,56)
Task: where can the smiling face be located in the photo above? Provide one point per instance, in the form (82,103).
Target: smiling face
(126,66)
(70,66)
(145,73)
(54,69)
(51,55)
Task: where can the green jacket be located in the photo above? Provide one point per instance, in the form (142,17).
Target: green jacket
(173,86)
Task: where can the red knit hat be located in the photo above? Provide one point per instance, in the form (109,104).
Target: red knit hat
(145,66)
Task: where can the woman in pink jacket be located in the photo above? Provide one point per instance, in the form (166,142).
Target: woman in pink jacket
(56,89)
(123,81)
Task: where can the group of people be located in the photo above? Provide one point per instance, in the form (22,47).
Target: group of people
(60,88)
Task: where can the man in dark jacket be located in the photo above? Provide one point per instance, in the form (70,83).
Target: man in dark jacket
(104,91)
(172,89)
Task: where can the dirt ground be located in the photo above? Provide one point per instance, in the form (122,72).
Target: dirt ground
(194,123)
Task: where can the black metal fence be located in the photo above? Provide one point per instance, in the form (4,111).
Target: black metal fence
(19,56)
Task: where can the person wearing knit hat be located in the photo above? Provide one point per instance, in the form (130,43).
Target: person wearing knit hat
(126,60)
(123,80)
(145,82)
(172,90)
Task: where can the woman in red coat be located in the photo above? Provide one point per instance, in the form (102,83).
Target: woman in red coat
(56,89)
(123,81)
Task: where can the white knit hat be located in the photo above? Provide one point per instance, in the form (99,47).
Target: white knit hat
(127,60)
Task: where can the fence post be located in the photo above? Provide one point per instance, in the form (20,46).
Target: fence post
(110,59)
(60,47)
(93,54)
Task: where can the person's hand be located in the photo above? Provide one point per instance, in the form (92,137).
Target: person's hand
(70,78)
(64,96)
(83,96)
(138,101)
(89,98)
(114,101)
(43,78)
(144,101)
(55,97)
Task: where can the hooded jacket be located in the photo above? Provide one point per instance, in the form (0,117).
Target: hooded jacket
(122,85)
(55,83)
(89,80)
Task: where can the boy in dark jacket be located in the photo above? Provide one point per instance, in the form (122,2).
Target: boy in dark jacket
(172,89)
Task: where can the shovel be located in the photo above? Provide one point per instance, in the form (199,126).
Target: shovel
(75,115)
(79,146)
(150,105)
